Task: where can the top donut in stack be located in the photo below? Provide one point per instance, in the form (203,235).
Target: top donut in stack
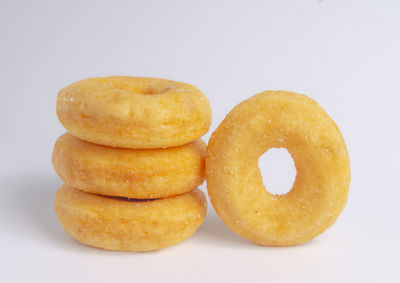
(132,137)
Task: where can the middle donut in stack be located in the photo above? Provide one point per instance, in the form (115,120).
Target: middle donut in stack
(131,141)
(130,173)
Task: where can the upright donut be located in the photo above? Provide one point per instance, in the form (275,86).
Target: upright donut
(130,173)
(132,112)
(278,119)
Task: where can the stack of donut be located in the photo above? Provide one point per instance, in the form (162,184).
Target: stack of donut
(131,162)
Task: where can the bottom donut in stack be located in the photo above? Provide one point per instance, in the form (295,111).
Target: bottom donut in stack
(129,224)
(129,199)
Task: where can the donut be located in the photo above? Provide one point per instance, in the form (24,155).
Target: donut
(131,173)
(132,112)
(129,225)
(278,119)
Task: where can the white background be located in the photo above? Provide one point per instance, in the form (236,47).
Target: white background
(344,54)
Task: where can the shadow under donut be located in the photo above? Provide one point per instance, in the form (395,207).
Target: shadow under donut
(27,207)
(215,232)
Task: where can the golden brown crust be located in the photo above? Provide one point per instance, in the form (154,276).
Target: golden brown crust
(130,225)
(132,112)
(297,123)
(131,173)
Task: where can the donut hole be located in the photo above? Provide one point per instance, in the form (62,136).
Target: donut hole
(149,89)
(142,87)
(278,171)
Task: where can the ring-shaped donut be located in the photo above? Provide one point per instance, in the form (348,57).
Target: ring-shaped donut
(278,119)
(130,225)
(133,112)
(131,173)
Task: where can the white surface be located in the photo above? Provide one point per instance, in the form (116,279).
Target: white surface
(344,54)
